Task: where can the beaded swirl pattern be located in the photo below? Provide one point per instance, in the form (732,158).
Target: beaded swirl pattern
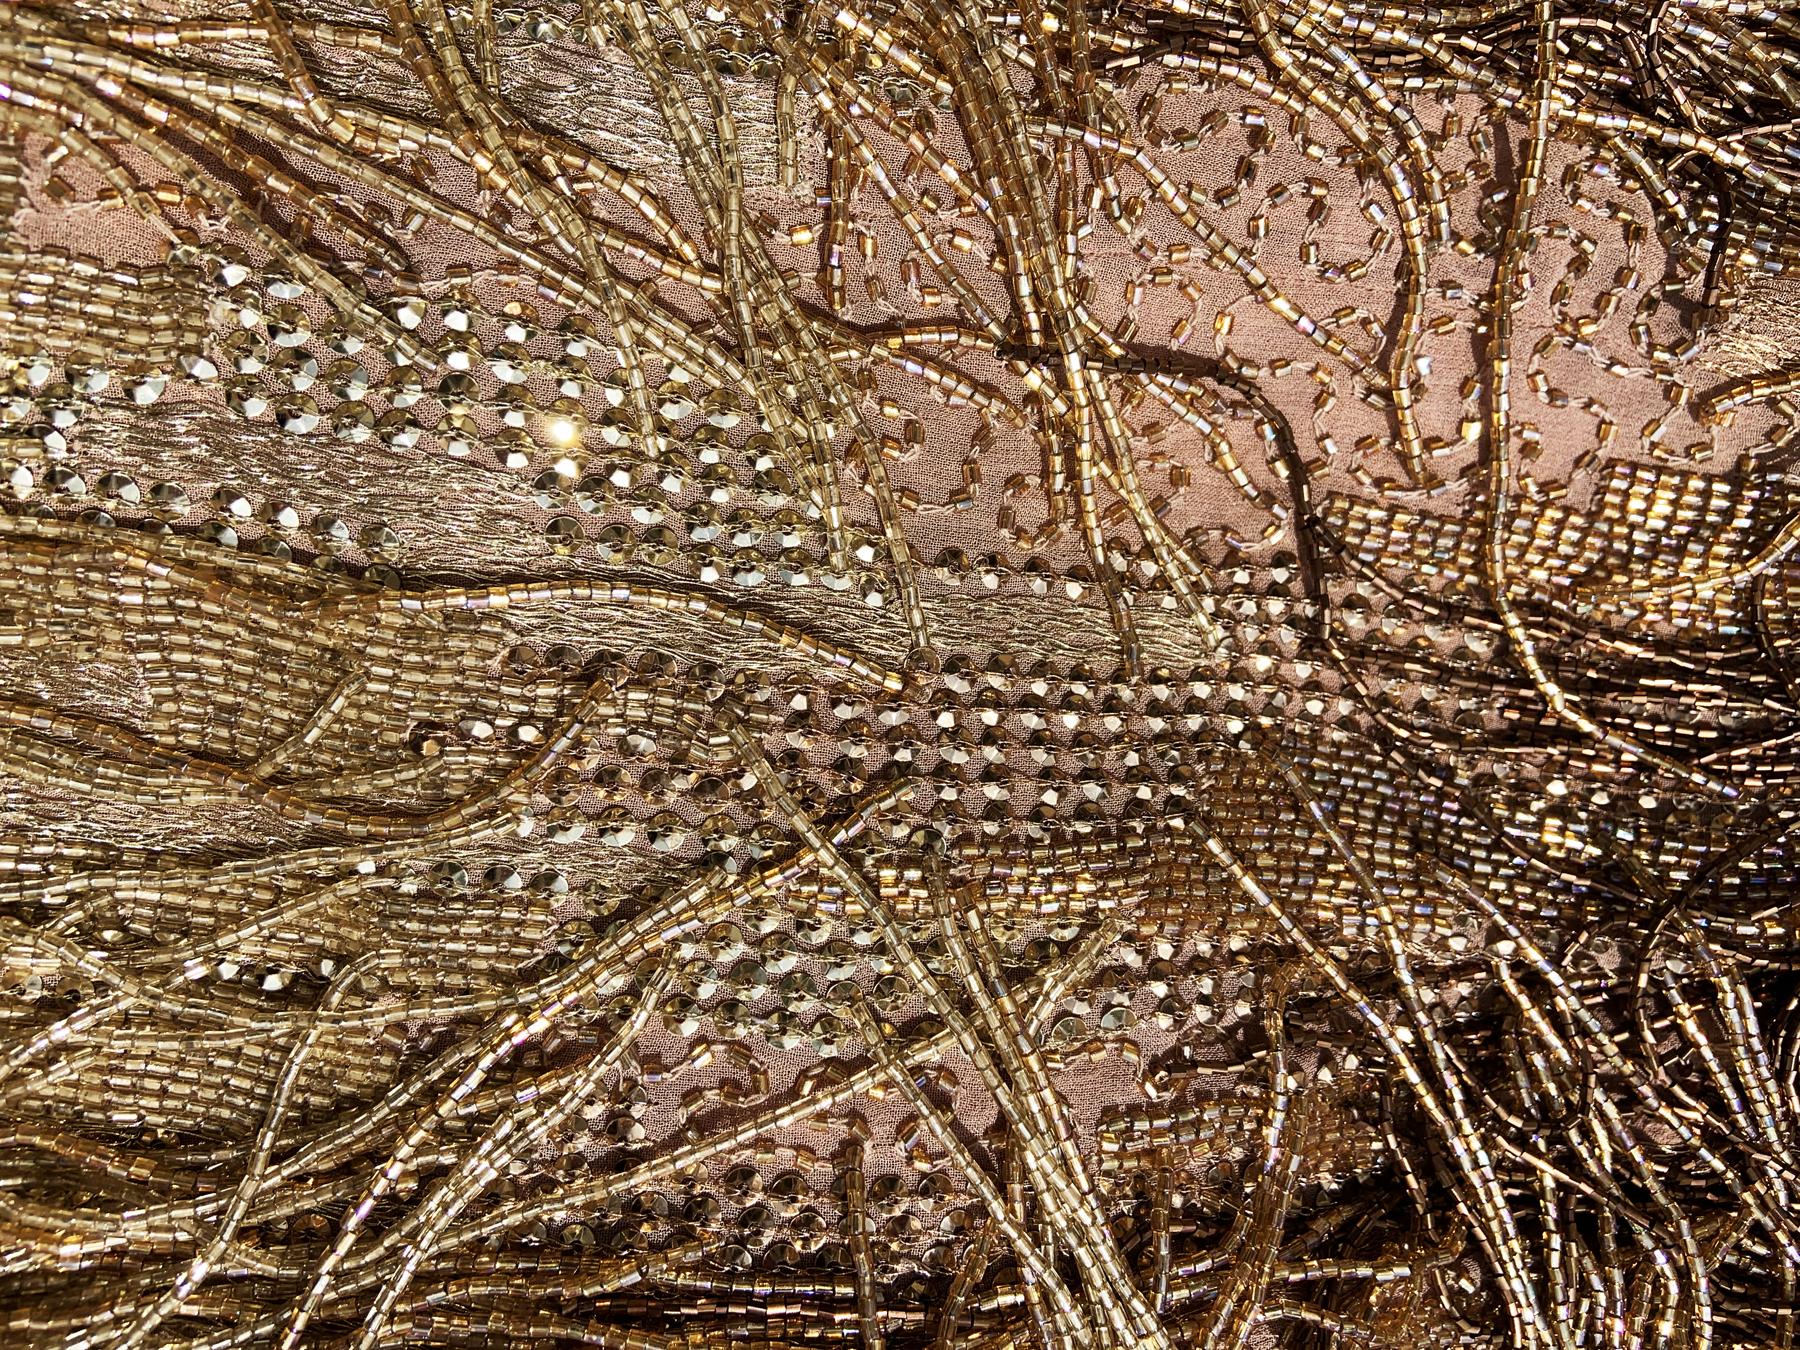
(949,675)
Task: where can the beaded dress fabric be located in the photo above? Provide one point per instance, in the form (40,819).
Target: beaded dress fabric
(934,675)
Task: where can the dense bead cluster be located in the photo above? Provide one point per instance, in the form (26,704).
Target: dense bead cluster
(942,676)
